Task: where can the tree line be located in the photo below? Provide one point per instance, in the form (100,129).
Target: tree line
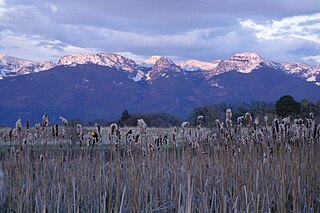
(285,106)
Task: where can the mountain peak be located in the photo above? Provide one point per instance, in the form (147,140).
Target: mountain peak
(80,58)
(165,63)
(163,67)
(244,62)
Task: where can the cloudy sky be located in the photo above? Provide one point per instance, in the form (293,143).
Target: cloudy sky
(282,30)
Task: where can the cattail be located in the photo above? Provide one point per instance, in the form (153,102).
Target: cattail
(53,130)
(185,124)
(45,120)
(37,126)
(79,133)
(27,125)
(129,133)
(199,120)
(79,129)
(142,125)
(98,128)
(248,119)
(57,130)
(30,138)
(240,120)
(228,114)
(265,120)
(228,118)
(4,137)
(63,133)
(64,121)
(218,124)
(174,132)
(15,133)
(113,128)
(286,120)
(276,125)
(118,134)
(311,115)
(18,125)
(255,123)
(10,135)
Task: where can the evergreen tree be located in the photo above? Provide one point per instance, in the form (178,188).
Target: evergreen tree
(286,106)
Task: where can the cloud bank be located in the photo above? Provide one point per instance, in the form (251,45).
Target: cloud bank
(204,30)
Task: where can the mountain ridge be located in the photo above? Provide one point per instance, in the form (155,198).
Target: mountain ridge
(242,62)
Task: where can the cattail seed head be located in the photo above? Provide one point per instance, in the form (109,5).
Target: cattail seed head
(228,114)
(142,125)
(311,115)
(255,123)
(228,118)
(248,119)
(199,120)
(45,120)
(276,125)
(185,124)
(64,121)
(240,120)
(266,120)
(37,126)
(18,124)
(113,128)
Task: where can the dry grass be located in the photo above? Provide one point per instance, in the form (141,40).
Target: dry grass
(196,170)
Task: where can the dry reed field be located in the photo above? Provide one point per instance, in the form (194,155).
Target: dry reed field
(240,167)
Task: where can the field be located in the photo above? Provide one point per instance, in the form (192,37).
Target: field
(229,168)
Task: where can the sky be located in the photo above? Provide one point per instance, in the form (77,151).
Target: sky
(207,30)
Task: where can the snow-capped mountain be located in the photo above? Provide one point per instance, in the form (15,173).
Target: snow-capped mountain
(11,66)
(195,65)
(243,63)
(36,67)
(163,67)
(110,60)
(305,71)
(156,66)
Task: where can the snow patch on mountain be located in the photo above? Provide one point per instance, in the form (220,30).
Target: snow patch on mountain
(150,62)
(11,66)
(36,67)
(305,71)
(243,62)
(109,60)
(162,67)
(195,65)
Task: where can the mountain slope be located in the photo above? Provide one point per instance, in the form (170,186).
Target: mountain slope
(264,84)
(92,91)
(84,91)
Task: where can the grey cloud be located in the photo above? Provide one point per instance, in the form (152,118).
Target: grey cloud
(183,29)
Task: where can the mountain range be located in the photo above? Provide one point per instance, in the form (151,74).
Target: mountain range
(91,86)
